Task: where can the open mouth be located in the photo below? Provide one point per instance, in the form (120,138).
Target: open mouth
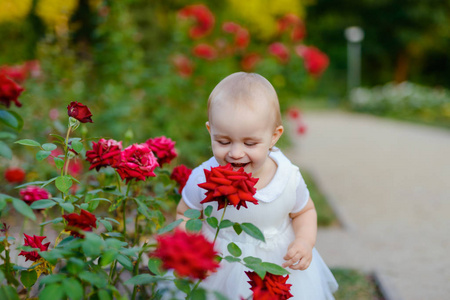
(239,165)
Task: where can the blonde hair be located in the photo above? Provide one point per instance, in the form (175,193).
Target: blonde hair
(246,88)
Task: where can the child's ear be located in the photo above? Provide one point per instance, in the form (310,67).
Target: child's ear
(208,127)
(276,135)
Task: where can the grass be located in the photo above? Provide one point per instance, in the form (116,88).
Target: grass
(355,285)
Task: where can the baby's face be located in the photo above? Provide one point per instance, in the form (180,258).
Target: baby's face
(242,137)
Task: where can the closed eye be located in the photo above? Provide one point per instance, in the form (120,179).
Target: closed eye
(223,142)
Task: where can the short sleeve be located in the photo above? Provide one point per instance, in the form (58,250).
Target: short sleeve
(192,194)
(302,194)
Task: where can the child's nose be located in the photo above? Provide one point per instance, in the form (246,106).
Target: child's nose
(236,152)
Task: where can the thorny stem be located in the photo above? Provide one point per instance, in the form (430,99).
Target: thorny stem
(66,152)
(124,209)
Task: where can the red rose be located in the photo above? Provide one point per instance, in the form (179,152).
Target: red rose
(273,285)
(205,51)
(79,111)
(222,183)
(280,51)
(181,175)
(293,22)
(183,64)
(85,221)
(14,175)
(75,167)
(34,242)
(16,73)
(204,20)
(230,27)
(33,193)
(242,38)
(249,61)
(316,62)
(9,91)
(189,254)
(104,153)
(164,148)
(137,161)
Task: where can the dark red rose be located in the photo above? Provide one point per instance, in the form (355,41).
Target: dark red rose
(16,73)
(137,161)
(104,153)
(273,285)
(183,64)
(79,111)
(189,254)
(205,51)
(280,51)
(33,193)
(85,221)
(181,175)
(203,17)
(14,175)
(9,91)
(34,242)
(164,148)
(222,184)
(316,62)
(249,61)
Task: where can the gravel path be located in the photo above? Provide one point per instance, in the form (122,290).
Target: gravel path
(390,184)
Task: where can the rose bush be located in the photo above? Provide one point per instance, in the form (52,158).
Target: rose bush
(110,234)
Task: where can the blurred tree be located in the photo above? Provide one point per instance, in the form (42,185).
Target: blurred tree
(403,38)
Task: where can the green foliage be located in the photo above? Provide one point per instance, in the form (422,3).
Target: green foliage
(354,284)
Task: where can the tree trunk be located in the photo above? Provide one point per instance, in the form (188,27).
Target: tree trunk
(402,67)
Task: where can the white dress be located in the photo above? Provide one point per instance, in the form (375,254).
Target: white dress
(286,193)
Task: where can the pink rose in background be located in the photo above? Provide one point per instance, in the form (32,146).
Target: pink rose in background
(164,148)
(181,175)
(316,62)
(280,51)
(104,153)
(33,193)
(183,64)
(292,22)
(249,61)
(205,51)
(137,161)
(203,19)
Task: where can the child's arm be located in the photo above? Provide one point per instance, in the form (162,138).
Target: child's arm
(305,228)
(181,209)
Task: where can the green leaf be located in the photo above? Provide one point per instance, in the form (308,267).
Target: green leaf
(234,249)
(28,142)
(113,220)
(67,206)
(225,224)
(23,208)
(41,204)
(125,261)
(253,231)
(169,227)
(92,244)
(58,137)
(237,228)
(219,296)
(77,146)
(154,265)
(194,225)
(7,292)
(108,257)
(93,278)
(5,151)
(28,278)
(274,268)
(7,135)
(232,259)
(73,288)
(54,221)
(107,225)
(42,154)
(11,118)
(192,214)
(252,260)
(212,221)
(198,294)
(141,279)
(52,292)
(208,210)
(59,162)
(103,295)
(49,146)
(63,183)
(182,285)
(52,278)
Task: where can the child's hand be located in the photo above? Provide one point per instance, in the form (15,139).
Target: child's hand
(298,256)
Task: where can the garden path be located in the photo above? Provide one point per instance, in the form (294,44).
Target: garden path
(388,181)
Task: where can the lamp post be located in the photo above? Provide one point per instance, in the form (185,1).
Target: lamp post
(354,36)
